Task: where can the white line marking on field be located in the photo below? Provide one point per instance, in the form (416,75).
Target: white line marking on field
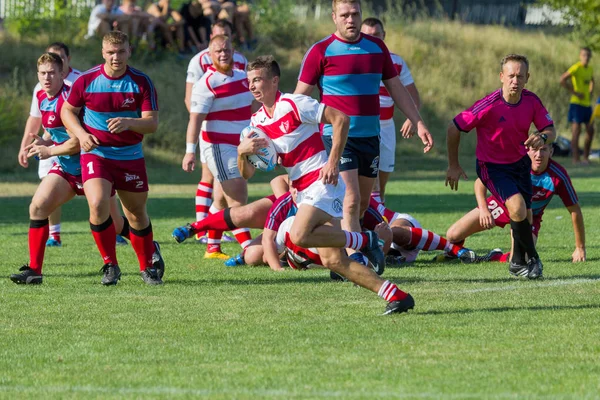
(281,393)
(515,287)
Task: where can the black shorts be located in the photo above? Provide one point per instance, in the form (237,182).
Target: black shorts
(360,153)
(506,180)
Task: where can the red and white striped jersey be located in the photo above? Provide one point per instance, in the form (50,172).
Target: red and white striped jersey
(294,130)
(386,103)
(227,103)
(200,62)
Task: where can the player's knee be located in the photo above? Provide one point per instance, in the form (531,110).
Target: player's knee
(352,206)
(37,210)
(453,235)
(299,236)
(253,255)
(333,261)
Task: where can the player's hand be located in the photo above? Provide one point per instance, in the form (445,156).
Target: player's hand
(42,152)
(118,125)
(534,142)
(579,254)
(89,143)
(251,146)
(22,157)
(385,233)
(453,175)
(408,129)
(189,162)
(330,173)
(580,96)
(485,219)
(425,136)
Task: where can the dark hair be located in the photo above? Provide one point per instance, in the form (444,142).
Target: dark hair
(50,58)
(515,58)
(58,45)
(267,63)
(587,49)
(223,23)
(373,22)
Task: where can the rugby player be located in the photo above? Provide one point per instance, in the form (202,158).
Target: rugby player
(32,127)
(119,106)
(221,109)
(502,120)
(348,67)
(387,158)
(292,123)
(63,181)
(196,69)
(548,178)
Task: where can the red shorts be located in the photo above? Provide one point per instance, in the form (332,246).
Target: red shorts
(73,180)
(128,175)
(501,218)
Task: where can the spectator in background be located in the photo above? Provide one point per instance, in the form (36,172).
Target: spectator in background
(170,22)
(197,26)
(210,9)
(106,17)
(140,22)
(239,16)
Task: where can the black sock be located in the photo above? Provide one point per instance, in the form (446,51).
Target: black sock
(525,237)
(125,229)
(518,255)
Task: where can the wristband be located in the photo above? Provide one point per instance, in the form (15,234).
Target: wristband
(190,147)
(544,137)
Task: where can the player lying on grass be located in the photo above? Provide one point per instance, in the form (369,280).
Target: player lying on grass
(63,181)
(548,178)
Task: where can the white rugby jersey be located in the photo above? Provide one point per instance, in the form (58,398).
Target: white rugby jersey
(227,102)
(386,103)
(294,130)
(34,110)
(201,61)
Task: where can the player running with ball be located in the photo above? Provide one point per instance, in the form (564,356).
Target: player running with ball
(292,123)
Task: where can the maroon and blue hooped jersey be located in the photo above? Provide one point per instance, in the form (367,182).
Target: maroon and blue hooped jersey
(102,97)
(50,110)
(554,180)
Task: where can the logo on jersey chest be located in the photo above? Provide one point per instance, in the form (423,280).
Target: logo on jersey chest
(51,119)
(285,126)
(127,102)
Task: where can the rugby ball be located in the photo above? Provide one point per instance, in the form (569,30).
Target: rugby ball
(266,159)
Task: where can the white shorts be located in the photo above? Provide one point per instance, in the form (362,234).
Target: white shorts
(221,160)
(46,165)
(202,158)
(409,255)
(328,198)
(387,148)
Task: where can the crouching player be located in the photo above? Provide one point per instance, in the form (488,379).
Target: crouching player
(64,178)
(548,178)
(292,122)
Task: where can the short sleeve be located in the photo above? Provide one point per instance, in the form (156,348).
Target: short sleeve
(202,97)
(149,96)
(194,73)
(311,68)
(541,117)
(77,94)
(388,70)
(565,189)
(309,110)
(573,70)
(405,76)
(34,110)
(470,118)
(278,212)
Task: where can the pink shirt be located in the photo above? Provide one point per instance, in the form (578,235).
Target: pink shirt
(501,127)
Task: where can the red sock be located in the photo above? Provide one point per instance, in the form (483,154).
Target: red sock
(214,241)
(390,292)
(214,221)
(426,240)
(356,240)
(55,232)
(502,258)
(39,232)
(104,235)
(142,242)
(203,201)
(243,236)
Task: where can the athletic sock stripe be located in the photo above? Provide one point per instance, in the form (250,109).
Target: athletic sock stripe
(435,242)
(423,240)
(383,288)
(391,295)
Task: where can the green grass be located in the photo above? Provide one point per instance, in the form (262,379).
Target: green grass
(244,333)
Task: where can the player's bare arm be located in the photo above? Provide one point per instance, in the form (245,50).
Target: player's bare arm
(579,231)
(247,147)
(188,95)
(191,138)
(148,123)
(408,129)
(406,104)
(303,88)
(536,140)
(485,216)
(70,117)
(454,171)
(44,149)
(341,123)
(270,249)
(32,127)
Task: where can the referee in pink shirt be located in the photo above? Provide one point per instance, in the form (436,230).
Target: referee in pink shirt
(502,120)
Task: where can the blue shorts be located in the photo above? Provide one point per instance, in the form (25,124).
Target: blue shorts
(360,153)
(579,114)
(506,180)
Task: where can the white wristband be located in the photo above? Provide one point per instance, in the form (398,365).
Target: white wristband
(190,147)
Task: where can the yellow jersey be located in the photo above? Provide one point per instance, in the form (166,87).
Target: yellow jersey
(581,77)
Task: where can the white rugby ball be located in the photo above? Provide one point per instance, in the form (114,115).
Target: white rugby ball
(266,159)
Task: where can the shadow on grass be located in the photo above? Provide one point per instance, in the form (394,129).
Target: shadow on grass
(509,309)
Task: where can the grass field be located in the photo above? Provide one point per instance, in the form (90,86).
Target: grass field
(218,332)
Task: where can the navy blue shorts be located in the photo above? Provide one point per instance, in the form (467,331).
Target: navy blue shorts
(360,153)
(506,180)
(579,114)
